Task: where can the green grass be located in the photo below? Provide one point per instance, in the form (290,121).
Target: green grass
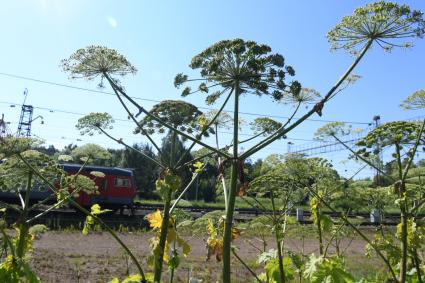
(219,204)
(242,203)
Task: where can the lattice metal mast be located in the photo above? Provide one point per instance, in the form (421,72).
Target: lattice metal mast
(25,120)
(4,130)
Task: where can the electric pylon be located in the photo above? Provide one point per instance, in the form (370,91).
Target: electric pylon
(25,121)
(4,130)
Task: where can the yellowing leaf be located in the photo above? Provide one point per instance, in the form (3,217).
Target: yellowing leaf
(95,209)
(235,233)
(210,227)
(202,121)
(155,219)
(135,278)
(215,247)
(198,167)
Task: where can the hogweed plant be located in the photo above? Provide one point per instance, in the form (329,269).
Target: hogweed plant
(23,171)
(183,116)
(236,68)
(231,69)
(405,139)
(276,184)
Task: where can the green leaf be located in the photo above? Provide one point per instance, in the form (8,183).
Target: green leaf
(174,262)
(272,270)
(296,260)
(326,222)
(186,248)
(266,256)
(330,270)
(90,221)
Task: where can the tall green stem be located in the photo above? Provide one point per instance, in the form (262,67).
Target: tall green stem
(132,148)
(417,263)
(246,266)
(24,227)
(134,118)
(278,241)
(173,150)
(223,180)
(319,229)
(227,238)
(403,217)
(159,255)
(194,177)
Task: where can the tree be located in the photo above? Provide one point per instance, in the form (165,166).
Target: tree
(272,161)
(145,171)
(254,169)
(116,157)
(68,149)
(97,154)
(177,153)
(207,180)
(50,150)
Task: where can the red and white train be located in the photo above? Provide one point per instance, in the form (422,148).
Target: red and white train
(117,188)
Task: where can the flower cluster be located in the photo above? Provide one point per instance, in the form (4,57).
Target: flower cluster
(244,63)
(386,23)
(97,61)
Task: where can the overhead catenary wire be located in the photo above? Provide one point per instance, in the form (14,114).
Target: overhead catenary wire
(157,101)
(126,120)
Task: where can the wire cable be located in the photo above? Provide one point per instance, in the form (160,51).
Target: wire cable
(157,101)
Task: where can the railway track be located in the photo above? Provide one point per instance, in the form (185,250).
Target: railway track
(62,218)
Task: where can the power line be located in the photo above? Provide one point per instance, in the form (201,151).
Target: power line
(52,110)
(61,138)
(157,101)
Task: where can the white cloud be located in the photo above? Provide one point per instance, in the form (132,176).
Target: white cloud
(112,22)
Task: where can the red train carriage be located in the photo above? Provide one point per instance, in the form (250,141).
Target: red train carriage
(116,190)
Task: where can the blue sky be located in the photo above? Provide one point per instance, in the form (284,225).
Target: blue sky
(161,37)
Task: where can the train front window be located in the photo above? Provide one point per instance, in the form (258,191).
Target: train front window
(122,182)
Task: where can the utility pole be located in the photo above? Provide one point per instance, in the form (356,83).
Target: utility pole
(4,130)
(380,162)
(288,149)
(25,120)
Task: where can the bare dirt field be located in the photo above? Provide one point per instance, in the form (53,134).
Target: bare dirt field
(64,256)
